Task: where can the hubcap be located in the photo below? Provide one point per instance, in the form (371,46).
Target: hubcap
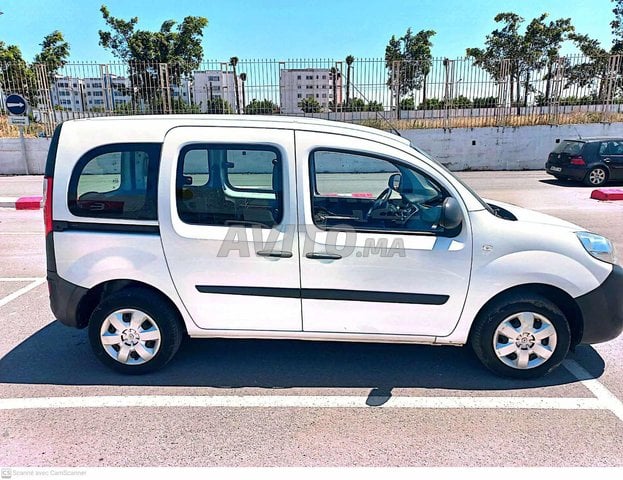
(525,340)
(597,176)
(130,336)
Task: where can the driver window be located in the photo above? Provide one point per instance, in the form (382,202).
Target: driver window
(369,193)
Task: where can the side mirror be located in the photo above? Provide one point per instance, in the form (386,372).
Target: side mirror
(451,215)
(394,181)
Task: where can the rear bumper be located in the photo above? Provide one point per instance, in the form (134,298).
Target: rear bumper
(570,171)
(65,298)
(602,309)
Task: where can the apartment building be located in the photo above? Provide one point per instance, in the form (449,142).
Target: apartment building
(297,84)
(215,84)
(103,94)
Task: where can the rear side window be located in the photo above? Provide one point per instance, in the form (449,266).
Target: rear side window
(570,147)
(230,185)
(116,181)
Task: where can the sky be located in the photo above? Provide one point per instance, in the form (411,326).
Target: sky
(292,29)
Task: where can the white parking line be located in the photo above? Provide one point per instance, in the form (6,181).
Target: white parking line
(20,279)
(295,401)
(605,396)
(34,283)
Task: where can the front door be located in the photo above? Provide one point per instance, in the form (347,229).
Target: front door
(227,208)
(374,259)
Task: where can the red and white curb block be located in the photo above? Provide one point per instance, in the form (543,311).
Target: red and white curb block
(21,203)
(607,194)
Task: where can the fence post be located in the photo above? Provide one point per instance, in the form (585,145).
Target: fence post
(556,82)
(46,108)
(163,70)
(503,87)
(448,94)
(395,87)
(614,67)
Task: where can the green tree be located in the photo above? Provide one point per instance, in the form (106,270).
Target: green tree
(374,106)
(15,73)
(243,79)
(54,52)
(261,107)
(407,103)
(543,42)
(415,57)
(177,46)
(335,75)
(218,105)
(501,44)
(349,65)
(526,52)
(309,105)
(233,61)
(355,105)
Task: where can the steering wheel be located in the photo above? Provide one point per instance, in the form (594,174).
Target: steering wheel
(381,201)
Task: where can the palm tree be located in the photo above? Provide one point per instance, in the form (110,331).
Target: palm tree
(335,74)
(349,62)
(243,78)
(233,61)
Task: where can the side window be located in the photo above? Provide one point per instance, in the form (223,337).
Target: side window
(368,193)
(230,185)
(117,181)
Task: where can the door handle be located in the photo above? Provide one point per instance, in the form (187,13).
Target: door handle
(274,253)
(323,256)
(606,160)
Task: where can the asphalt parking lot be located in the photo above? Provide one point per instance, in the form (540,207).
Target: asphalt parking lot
(289,403)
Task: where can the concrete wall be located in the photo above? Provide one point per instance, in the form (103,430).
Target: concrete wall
(518,148)
(16,153)
(494,148)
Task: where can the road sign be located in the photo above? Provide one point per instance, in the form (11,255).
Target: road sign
(20,121)
(16,104)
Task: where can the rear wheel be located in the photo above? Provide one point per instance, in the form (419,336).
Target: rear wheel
(596,177)
(135,331)
(521,336)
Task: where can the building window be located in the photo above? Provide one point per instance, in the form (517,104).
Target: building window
(309,77)
(300,95)
(298,77)
(324,77)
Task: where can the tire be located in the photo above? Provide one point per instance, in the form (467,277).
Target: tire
(541,331)
(135,331)
(596,177)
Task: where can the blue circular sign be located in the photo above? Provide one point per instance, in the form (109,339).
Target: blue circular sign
(16,104)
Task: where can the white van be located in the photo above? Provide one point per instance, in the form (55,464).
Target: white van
(158,227)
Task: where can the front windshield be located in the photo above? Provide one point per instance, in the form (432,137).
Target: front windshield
(465,185)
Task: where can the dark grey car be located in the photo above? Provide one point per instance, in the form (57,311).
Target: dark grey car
(593,161)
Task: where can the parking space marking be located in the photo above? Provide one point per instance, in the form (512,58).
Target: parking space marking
(34,283)
(295,401)
(605,396)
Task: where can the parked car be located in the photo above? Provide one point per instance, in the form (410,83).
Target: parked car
(292,228)
(593,161)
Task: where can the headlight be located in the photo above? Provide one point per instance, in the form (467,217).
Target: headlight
(598,246)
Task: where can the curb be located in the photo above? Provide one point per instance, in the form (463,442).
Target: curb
(21,203)
(607,194)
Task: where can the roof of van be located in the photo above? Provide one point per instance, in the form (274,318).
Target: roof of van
(271,120)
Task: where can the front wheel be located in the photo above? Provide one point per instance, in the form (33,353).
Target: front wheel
(521,337)
(135,331)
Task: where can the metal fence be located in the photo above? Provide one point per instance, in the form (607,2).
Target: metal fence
(441,93)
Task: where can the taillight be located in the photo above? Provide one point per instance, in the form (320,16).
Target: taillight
(577,161)
(47,204)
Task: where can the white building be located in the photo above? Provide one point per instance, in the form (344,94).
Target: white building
(215,84)
(297,84)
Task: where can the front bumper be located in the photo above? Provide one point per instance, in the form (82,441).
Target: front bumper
(602,309)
